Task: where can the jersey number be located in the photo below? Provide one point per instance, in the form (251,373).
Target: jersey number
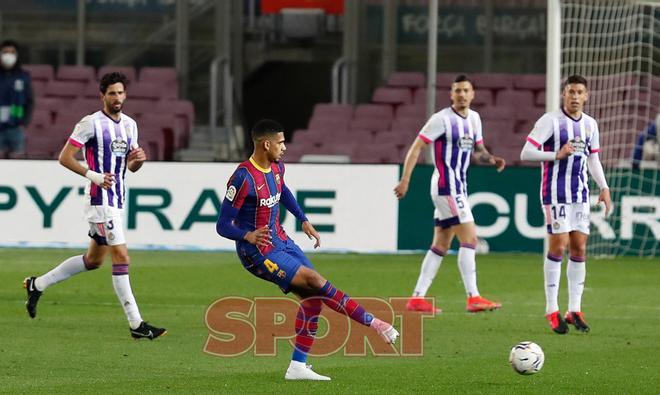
(271,266)
(459,202)
(560,214)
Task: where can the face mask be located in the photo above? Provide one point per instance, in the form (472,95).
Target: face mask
(8,60)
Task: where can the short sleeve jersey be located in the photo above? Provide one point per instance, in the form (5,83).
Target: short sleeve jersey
(566,180)
(453,137)
(107,144)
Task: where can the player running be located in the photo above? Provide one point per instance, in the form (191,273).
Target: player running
(250,215)
(110,141)
(566,142)
(454,132)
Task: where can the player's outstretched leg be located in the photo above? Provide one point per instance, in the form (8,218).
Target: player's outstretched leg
(430,265)
(342,303)
(467,265)
(306,326)
(35,286)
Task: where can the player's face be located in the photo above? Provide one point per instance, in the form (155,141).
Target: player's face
(462,95)
(114,97)
(275,147)
(574,95)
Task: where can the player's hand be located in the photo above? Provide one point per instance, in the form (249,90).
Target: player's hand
(259,237)
(605,197)
(498,162)
(565,151)
(137,154)
(401,189)
(309,230)
(108,180)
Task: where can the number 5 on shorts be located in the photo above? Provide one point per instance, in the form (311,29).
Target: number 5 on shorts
(271,266)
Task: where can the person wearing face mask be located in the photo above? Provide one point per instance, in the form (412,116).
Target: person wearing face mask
(16,101)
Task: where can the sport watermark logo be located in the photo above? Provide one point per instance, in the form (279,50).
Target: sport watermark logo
(239,325)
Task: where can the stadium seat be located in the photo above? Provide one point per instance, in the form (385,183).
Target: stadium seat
(398,138)
(360,137)
(374,110)
(333,110)
(442,99)
(533,82)
(408,124)
(75,73)
(41,118)
(372,124)
(483,98)
(175,138)
(378,152)
(307,138)
(128,71)
(40,72)
(410,110)
(40,145)
(539,100)
(328,124)
(524,127)
(65,121)
(494,131)
(517,99)
(402,79)
(394,96)
(153,139)
(182,109)
(498,112)
(64,89)
(38,88)
(492,81)
(145,90)
(50,104)
(444,80)
(91,90)
(134,108)
(166,77)
(86,105)
(339,148)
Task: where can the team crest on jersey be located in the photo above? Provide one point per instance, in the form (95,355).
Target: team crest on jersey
(281,274)
(119,147)
(579,145)
(231,193)
(466,143)
(277,178)
(555,225)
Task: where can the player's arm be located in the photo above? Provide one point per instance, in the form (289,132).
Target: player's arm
(484,157)
(136,159)
(597,173)
(226,227)
(68,159)
(291,204)
(408,166)
(542,131)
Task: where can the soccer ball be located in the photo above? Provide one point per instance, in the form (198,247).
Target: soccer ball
(526,358)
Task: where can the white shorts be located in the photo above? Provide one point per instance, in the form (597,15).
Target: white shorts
(451,210)
(110,232)
(567,217)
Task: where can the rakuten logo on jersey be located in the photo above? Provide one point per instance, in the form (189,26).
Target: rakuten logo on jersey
(271,201)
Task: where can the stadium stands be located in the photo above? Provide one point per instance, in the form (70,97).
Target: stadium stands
(65,95)
(383,129)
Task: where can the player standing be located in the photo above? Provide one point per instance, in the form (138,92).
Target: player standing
(566,142)
(250,215)
(454,132)
(110,139)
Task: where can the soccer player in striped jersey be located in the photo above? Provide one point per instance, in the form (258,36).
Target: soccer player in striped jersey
(250,215)
(110,142)
(455,133)
(566,142)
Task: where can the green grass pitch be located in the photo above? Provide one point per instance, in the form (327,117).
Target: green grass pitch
(79,342)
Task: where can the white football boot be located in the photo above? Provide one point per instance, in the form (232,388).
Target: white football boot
(302,371)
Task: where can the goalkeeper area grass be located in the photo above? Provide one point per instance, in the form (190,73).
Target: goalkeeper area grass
(80,343)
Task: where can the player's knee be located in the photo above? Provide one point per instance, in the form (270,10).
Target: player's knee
(315,281)
(92,263)
(580,251)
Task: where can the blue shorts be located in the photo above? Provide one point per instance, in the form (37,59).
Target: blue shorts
(279,266)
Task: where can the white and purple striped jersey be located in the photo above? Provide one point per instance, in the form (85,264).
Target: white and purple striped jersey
(107,144)
(453,137)
(565,181)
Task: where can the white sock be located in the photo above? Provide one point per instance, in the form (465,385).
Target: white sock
(551,277)
(124,293)
(430,266)
(70,267)
(576,272)
(468,268)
